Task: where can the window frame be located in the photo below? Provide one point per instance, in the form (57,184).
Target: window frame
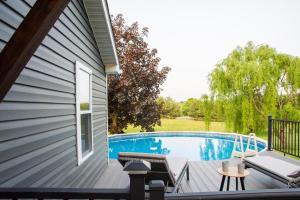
(80,157)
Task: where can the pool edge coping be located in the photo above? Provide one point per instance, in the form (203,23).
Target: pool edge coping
(199,132)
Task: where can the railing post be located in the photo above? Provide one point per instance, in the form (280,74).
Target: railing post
(157,190)
(137,171)
(269,133)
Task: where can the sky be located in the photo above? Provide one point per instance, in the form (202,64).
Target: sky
(191,36)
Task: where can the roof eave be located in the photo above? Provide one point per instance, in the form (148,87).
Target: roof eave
(102,29)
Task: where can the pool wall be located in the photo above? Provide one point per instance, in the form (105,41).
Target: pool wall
(205,146)
(219,135)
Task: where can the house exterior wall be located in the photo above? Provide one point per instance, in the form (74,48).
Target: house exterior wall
(38,115)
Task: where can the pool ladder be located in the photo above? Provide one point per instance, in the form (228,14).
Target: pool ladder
(241,153)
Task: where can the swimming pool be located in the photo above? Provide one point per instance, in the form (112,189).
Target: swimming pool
(194,146)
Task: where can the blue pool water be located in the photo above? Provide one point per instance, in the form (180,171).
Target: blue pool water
(194,146)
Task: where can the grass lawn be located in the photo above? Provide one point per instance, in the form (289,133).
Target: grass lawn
(182,125)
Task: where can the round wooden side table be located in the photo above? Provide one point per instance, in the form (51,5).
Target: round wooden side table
(233,172)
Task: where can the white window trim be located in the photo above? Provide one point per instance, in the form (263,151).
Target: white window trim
(81,159)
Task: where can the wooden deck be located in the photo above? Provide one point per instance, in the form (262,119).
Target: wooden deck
(203,177)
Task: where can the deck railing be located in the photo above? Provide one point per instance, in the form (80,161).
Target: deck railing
(278,194)
(284,136)
(156,192)
(63,193)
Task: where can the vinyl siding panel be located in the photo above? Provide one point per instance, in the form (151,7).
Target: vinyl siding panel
(19,168)
(42,80)
(26,93)
(19,111)
(21,146)
(49,68)
(38,115)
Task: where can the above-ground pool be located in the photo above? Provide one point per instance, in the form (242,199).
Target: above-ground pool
(194,146)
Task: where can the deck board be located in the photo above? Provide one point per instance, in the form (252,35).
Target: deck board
(203,177)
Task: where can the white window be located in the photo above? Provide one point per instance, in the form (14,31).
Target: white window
(84,112)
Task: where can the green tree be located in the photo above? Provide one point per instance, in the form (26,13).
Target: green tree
(208,109)
(193,108)
(253,82)
(170,108)
(132,94)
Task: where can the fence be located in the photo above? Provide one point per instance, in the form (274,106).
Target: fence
(284,136)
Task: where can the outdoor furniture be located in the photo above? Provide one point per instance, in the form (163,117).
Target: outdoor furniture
(275,168)
(171,170)
(233,172)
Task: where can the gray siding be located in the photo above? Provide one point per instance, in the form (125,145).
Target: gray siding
(38,115)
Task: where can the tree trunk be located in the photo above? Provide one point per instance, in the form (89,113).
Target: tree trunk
(114,129)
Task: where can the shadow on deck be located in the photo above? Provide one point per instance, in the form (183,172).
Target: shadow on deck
(203,177)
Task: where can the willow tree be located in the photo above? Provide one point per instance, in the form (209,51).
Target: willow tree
(207,109)
(253,82)
(132,94)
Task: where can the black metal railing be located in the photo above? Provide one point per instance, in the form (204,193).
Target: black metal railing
(284,136)
(274,194)
(63,193)
(156,192)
